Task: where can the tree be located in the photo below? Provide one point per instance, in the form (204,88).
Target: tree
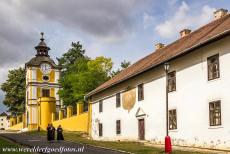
(75,61)
(14,88)
(81,74)
(123,65)
(68,80)
(71,56)
(101,64)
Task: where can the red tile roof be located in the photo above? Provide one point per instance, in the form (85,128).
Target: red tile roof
(3,114)
(204,35)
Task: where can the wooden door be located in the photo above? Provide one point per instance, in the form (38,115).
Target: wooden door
(141,129)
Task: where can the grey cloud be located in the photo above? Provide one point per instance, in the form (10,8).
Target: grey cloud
(21,21)
(15,36)
(101,18)
(13,53)
(2,106)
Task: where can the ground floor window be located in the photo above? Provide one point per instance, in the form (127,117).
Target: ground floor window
(215,113)
(118,127)
(100,129)
(172,119)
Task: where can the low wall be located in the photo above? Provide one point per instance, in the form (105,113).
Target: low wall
(74,123)
(18,126)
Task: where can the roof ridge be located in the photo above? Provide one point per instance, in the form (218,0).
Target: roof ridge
(179,46)
(198,29)
(217,25)
(160,50)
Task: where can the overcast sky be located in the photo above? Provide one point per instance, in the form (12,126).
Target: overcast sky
(120,29)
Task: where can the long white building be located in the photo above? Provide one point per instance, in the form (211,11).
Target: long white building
(132,105)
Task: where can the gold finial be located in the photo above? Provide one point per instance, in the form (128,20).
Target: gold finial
(42,34)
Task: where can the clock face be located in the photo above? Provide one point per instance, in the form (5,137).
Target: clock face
(45,68)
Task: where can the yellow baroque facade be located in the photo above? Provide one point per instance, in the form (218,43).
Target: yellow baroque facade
(43,105)
(42,86)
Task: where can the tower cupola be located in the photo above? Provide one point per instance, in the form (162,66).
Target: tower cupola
(42,48)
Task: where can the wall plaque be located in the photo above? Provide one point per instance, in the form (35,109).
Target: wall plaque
(129,99)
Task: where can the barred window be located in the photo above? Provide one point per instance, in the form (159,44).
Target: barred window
(100,129)
(213,67)
(172,81)
(118,127)
(118,100)
(140,92)
(215,113)
(100,106)
(45,93)
(172,119)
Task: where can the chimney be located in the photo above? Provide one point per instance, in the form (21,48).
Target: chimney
(184,32)
(220,13)
(159,46)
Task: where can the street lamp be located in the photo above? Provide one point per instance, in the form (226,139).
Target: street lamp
(168,146)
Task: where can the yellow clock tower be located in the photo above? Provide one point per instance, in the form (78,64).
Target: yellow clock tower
(42,99)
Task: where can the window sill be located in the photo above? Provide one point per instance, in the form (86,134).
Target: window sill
(215,127)
(173,130)
(170,92)
(213,80)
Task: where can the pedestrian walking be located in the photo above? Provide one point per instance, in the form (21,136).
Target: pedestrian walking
(49,132)
(59,133)
(52,132)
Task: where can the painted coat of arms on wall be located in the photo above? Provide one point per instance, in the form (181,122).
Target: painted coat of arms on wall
(129,99)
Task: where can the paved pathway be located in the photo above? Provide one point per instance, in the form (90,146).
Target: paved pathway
(40,141)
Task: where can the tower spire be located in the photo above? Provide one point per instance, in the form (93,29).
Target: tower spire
(42,48)
(42,38)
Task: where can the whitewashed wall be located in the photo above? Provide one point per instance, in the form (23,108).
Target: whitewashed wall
(4,122)
(191,99)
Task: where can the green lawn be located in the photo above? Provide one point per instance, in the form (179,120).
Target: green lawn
(8,144)
(134,147)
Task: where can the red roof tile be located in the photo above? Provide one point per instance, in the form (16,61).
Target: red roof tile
(210,32)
